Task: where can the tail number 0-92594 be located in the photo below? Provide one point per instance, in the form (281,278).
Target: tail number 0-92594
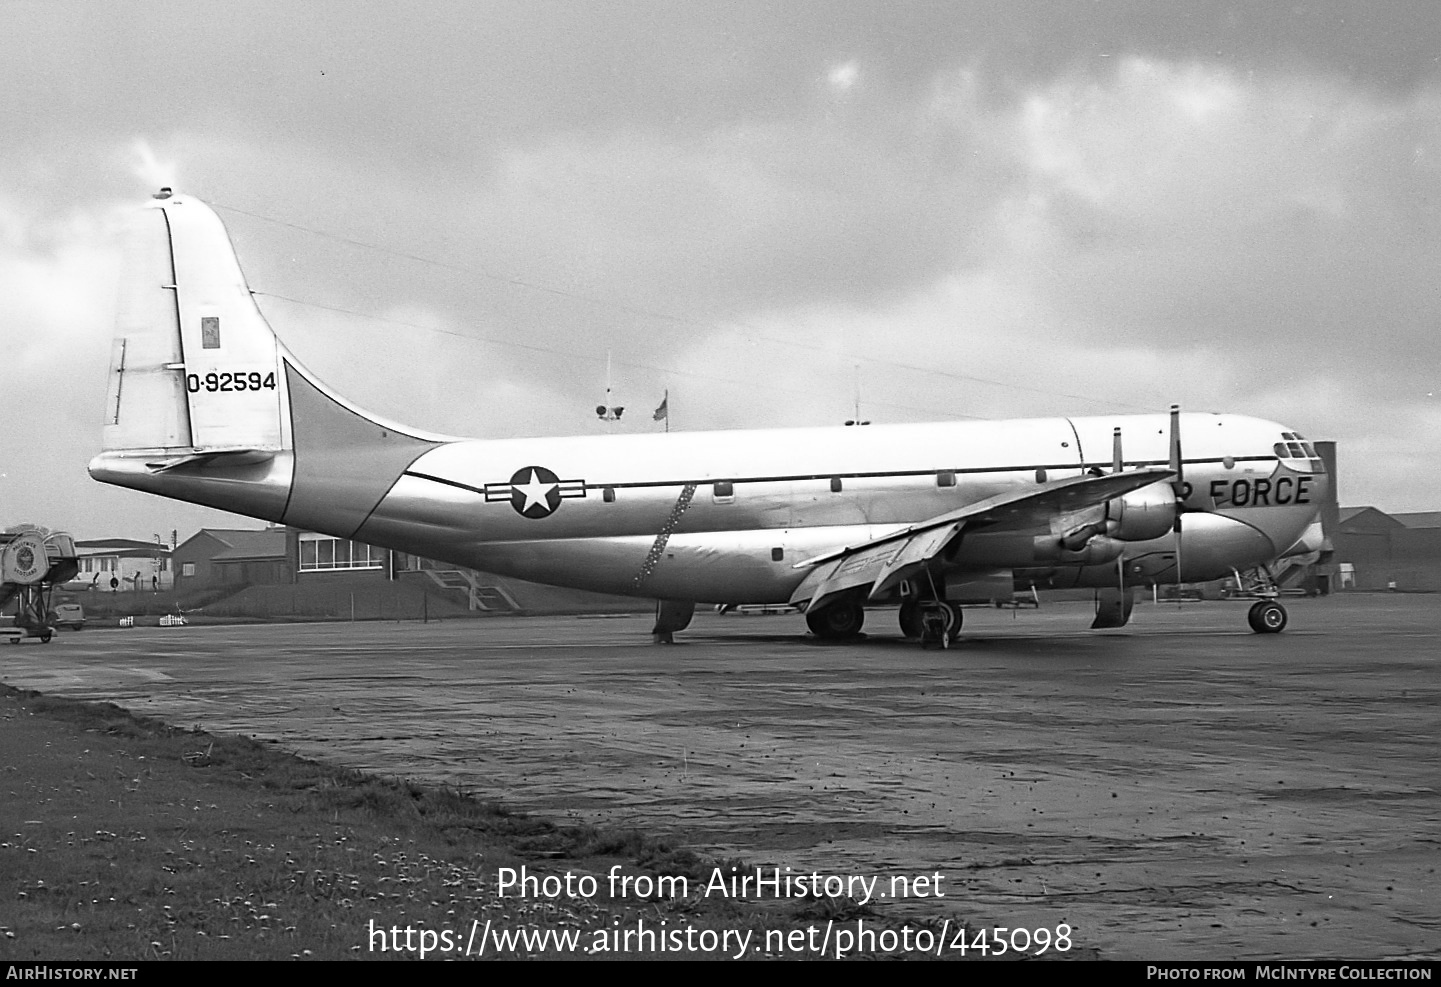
(231,383)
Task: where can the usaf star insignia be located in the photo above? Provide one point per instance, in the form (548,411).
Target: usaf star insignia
(534,491)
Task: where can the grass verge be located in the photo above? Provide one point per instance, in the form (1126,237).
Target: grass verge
(124,838)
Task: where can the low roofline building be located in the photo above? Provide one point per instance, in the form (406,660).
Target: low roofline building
(117,565)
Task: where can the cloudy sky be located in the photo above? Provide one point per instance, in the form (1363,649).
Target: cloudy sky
(455,212)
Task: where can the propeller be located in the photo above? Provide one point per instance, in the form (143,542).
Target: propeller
(1118,462)
(1178,488)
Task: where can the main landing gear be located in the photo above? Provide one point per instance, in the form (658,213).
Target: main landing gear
(936,623)
(837,622)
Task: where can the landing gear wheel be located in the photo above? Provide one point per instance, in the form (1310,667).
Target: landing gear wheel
(837,622)
(1267,617)
(910,618)
(953,630)
(940,624)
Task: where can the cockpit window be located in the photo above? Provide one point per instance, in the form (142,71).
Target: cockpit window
(1298,454)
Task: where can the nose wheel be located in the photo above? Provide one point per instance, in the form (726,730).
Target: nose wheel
(1267,617)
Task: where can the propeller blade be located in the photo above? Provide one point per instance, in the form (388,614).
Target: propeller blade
(1116,450)
(1179,485)
(1176,462)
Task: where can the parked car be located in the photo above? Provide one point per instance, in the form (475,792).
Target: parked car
(71,615)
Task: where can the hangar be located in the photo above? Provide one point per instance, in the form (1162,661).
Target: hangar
(1375,550)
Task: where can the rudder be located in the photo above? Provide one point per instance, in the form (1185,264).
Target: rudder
(195,367)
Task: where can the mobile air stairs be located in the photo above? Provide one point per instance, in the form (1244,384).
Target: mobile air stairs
(32,563)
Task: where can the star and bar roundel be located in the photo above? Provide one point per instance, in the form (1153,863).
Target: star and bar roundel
(534,491)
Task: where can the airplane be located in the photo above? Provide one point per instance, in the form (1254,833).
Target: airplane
(206,405)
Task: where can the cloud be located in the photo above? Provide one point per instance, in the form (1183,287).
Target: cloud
(1187,206)
(843,77)
(974,204)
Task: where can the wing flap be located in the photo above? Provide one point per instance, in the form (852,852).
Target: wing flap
(913,556)
(859,568)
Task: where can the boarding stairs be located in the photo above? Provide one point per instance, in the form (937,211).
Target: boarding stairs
(33,562)
(479,595)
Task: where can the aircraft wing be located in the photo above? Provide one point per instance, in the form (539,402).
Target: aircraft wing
(883,562)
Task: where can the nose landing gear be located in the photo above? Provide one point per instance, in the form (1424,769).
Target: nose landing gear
(1267,617)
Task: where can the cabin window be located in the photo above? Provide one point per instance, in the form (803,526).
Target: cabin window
(1040,475)
(778,554)
(607,494)
(723,492)
(835,484)
(946,478)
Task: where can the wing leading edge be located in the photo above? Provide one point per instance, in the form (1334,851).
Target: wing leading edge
(883,562)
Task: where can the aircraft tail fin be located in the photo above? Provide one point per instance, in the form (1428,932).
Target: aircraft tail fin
(194,365)
(207,405)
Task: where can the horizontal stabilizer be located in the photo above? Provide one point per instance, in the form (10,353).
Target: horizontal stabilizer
(194,462)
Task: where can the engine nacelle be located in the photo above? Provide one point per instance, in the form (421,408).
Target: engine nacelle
(1096,550)
(1143,514)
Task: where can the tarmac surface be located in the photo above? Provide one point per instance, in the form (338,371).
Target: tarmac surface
(1180,788)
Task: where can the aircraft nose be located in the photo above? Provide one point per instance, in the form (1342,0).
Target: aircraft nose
(1212,543)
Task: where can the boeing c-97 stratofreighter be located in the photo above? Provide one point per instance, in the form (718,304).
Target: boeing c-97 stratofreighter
(206,405)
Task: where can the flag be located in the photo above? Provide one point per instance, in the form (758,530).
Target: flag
(663,412)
